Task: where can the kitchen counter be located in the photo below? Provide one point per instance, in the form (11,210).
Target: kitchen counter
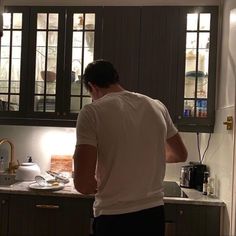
(194,197)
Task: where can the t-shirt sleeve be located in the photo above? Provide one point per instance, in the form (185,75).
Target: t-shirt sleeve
(85,128)
(171,129)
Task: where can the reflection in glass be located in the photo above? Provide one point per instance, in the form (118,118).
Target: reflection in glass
(50,104)
(205,20)
(76,88)
(14,103)
(6,20)
(188,108)
(192,20)
(202,86)
(17,21)
(90,21)
(89,39)
(191,40)
(77,39)
(204,40)
(78,20)
(42,21)
(53,21)
(5,40)
(190,61)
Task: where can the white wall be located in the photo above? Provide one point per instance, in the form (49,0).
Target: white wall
(220,156)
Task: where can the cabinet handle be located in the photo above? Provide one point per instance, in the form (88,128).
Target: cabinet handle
(181,212)
(64,113)
(179,117)
(58,113)
(47,206)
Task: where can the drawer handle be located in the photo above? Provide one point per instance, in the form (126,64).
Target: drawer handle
(47,206)
(3,202)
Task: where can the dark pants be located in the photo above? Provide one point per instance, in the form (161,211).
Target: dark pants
(145,222)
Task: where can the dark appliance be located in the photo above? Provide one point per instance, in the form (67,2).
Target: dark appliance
(192,175)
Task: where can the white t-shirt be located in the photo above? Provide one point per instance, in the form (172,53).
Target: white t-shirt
(129,131)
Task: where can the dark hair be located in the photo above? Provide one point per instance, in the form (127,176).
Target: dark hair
(101,73)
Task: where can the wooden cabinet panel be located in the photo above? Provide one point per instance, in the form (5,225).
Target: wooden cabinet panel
(120,42)
(3,214)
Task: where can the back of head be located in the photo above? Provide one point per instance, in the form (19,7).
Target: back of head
(100,73)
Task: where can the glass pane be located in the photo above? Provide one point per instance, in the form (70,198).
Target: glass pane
(192,20)
(191,40)
(3,102)
(77,39)
(16,52)
(42,21)
(39,87)
(205,21)
(78,20)
(53,21)
(201,108)
(189,85)
(188,108)
(16,38)
(85,91)
(52,58)
(17,20)
(15,69)
(76,61)
(41,39)
(5,40)
(51,86)
(203,60)
(90,21)
(76,88)
(190,63)
(52,38)
(202,86)
(14,103)
(204,40)
(88,57)
(4,75)
(89,40)
(75,104)
(6,20)
(5,52)
(50,104)
(38,103)
(86,100)
(15,86)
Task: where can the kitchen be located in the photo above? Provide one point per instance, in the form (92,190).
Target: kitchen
(42,142)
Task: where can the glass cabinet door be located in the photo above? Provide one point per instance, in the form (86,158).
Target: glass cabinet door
(197,65)
(10,62)
(83,35)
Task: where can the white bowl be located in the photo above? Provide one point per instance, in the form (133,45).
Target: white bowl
(27,171)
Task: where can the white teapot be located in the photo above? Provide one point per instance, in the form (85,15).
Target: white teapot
(27,171)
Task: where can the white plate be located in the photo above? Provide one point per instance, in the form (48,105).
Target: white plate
(53,188)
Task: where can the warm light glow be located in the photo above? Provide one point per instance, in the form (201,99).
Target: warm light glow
(233,16)
(60,142)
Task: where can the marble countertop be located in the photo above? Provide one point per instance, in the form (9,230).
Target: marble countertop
(194,197)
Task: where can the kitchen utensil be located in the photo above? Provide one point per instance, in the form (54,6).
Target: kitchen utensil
(59,177)
(27,171)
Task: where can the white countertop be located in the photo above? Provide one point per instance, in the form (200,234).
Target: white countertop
(194,197)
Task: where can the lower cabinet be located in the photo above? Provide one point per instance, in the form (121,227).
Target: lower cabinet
(33,215)
(43,215)
(192,220)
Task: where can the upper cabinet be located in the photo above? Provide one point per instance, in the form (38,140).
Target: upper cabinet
(166,52)
(42,63)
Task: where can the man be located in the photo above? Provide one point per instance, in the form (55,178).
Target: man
(124,140)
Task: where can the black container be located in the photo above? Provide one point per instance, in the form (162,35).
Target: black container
(198,175)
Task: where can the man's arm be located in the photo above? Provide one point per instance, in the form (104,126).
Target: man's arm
(175,150)
(85,159)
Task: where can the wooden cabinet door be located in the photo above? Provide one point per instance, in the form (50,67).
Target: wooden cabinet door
(3,214)
(37,216)
(159,54)
(120,42)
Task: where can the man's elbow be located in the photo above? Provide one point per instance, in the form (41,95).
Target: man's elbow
(84,188)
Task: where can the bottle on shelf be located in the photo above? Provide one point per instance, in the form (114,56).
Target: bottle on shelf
(205,183)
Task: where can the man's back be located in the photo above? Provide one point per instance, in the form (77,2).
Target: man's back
(130,130)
